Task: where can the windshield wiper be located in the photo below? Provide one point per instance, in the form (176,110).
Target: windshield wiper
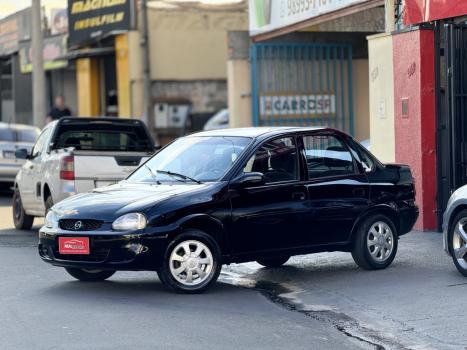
(152,174)
(171,173)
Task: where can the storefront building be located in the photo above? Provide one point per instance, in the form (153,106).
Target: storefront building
(187,59)
(309,62)
(417,98)
(16,68)
(97,42)
(13,87)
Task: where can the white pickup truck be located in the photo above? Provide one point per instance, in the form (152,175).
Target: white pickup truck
(76,155)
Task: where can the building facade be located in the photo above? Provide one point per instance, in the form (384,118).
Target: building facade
(187,50)
(308,64)
(417,96)
(16,68)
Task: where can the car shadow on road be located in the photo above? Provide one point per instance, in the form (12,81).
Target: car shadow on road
(141,290)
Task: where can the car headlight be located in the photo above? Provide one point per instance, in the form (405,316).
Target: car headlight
(51,219)
(132,221)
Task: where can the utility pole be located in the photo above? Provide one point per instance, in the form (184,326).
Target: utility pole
(389,15)
(148,110)
(38,74)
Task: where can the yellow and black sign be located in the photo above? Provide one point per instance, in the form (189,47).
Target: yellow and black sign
(92,19)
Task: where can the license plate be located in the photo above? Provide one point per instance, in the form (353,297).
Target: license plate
(73,245)
(8,154)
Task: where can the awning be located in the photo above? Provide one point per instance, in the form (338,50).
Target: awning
(88,52)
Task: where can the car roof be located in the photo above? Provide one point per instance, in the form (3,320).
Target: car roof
(16,126)
(256,131)
(84,119)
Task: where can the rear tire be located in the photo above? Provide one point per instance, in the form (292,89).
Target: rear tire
(21,220)
(273,262)
(375,244)
(192,262)
(89,275)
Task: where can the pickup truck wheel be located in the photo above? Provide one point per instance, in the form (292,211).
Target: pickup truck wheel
(90,275)
(375,244)
(457,242)
(192,262)
(49,203)
(273,262)
(21,220)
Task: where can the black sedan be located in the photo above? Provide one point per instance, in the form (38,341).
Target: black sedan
(235,195)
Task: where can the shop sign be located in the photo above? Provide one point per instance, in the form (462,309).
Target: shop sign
(13,29)
(269,15)
(282,105)
(92,19)
(419,11)
(58,21)
(54,47)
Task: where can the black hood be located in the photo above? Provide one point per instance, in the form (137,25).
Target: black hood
(110,202)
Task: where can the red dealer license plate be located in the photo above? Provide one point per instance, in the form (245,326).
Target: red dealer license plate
(73,245)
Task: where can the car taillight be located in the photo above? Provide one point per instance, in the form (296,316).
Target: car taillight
(67,168)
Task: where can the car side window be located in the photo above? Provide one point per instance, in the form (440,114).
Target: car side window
(327,156)
(365,159)
(40,143)
(276,159)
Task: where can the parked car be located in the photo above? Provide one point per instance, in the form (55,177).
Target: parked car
(454,229)
(231,196)
(75,155)
(220,120)
(13,137)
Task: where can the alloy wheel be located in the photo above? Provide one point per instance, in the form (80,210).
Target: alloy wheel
(191,262)
(459,243)
(380,241)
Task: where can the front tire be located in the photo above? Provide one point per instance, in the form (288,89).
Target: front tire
(376,242)
(457,242)
(273,262)
(192,262)
(21,220)
(89,275)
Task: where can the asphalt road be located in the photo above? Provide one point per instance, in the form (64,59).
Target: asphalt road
(321,301)
(41,307)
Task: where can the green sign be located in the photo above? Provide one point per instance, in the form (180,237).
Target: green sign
(54,47)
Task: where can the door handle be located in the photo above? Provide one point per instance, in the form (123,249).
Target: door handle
(298,196)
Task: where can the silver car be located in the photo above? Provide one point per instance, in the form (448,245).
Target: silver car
(455,229)
(13,137)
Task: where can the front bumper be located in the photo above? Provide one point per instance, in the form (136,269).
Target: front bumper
(108,250)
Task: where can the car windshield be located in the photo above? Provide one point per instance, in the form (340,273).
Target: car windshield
(196,158)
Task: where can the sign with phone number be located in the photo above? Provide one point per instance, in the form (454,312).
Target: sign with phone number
(269,15)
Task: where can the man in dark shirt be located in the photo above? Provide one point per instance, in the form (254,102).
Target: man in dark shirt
(59,110)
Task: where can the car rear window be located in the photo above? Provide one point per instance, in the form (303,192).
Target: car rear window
(103,137)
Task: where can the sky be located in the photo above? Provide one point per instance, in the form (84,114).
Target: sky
(8,7)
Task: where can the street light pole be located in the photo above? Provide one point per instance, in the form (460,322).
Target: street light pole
(38,74)
(148,111)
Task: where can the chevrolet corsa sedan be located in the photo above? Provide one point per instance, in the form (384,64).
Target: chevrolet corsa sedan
(231,196)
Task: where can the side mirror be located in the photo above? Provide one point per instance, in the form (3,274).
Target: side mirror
(248,179)
(22,153)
